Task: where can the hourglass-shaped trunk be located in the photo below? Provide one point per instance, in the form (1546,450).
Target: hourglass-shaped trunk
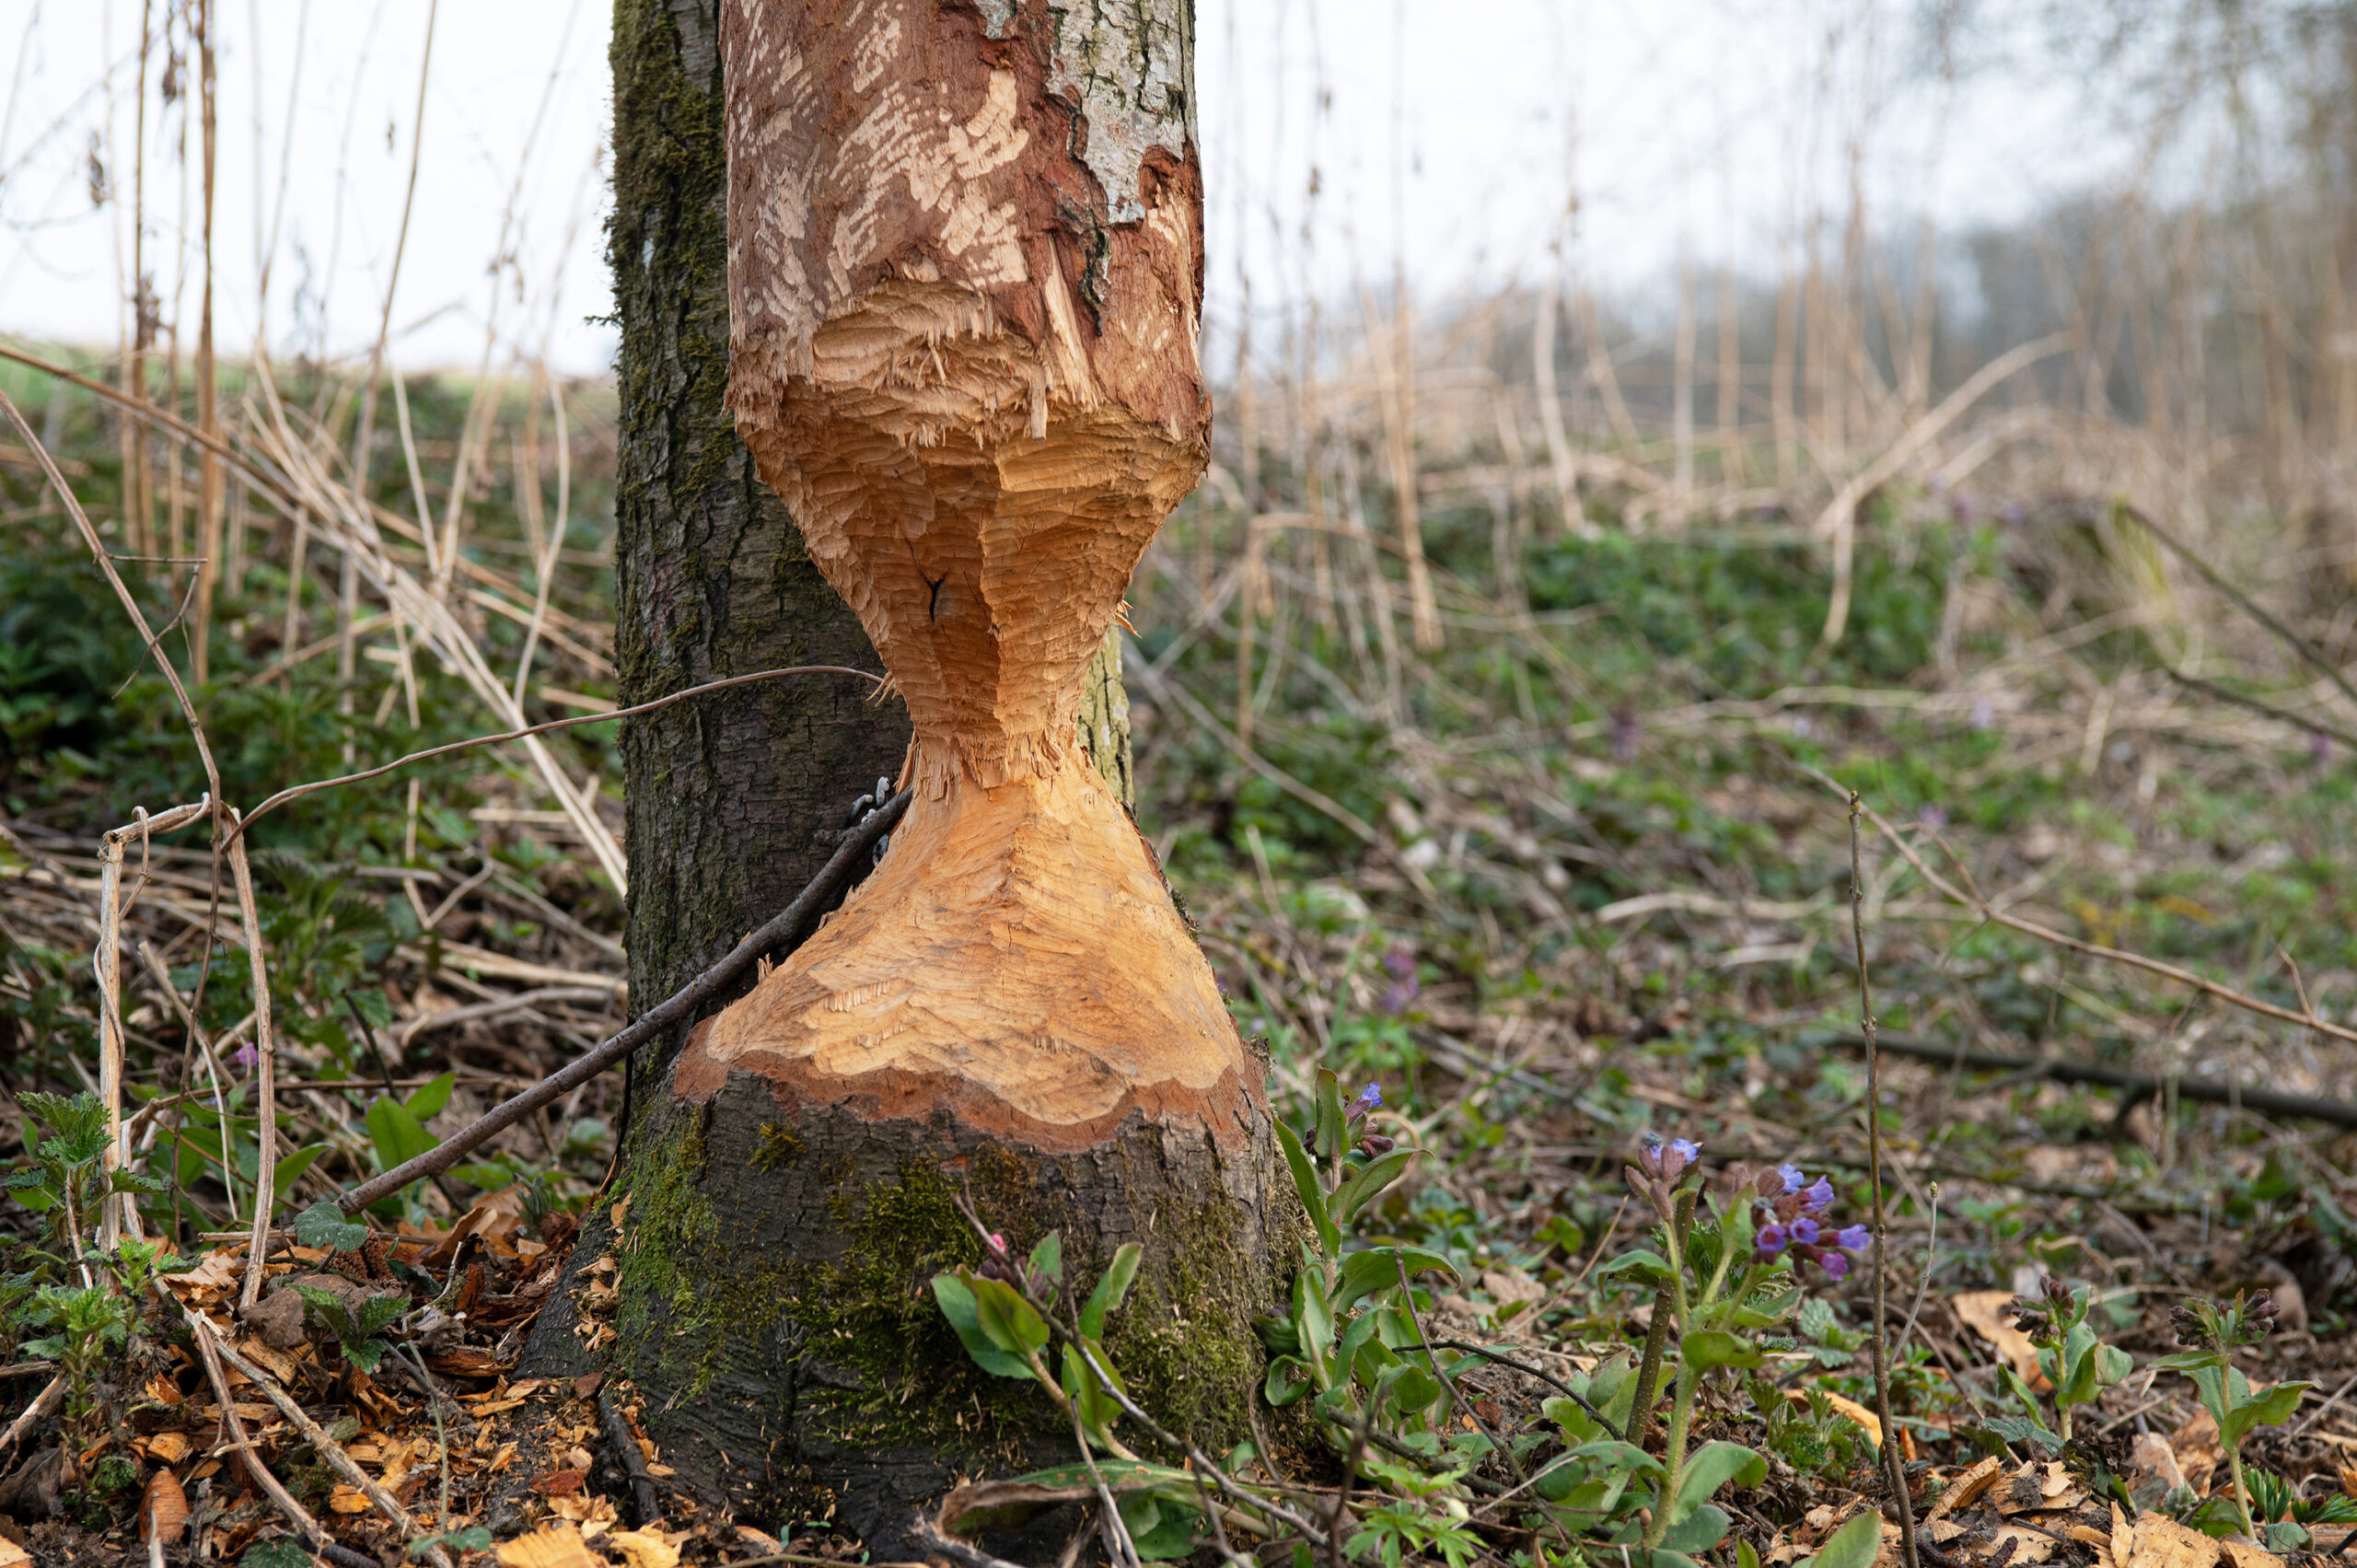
(965,267)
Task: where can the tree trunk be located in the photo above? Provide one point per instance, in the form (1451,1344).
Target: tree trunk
(964,271)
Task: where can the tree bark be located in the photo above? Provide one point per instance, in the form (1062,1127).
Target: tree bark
(964,275)
(728,797)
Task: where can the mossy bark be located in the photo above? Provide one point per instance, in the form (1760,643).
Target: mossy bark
(772,1300)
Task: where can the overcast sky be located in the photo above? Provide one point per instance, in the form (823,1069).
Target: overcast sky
(1452,134)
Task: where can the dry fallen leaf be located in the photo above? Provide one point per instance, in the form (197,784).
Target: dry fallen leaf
(2161,1542)
(644,1548)
(2196,1446)
(348,1500)
(2153,1456)
(557,1546)
(2242,1554)
(2122,1544)
(12,1555)
(1988,1314)
(2028,1545)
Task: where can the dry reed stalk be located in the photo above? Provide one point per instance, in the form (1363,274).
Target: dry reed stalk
(208,411)
(1838,523)
(429,614)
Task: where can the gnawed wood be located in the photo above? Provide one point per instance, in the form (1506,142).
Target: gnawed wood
(965,275)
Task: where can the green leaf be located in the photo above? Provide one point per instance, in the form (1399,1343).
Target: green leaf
(1009,1320)
(1048,1257)
(323,1229)
(1110,1288)
(2186,1361)
(2271,1409)
(1745,1557)
(2113,1365)
(367,1356)
(291,1166)
(429,1099)
(396,1131)
(1332,1131)
(1366,1183)
(1312,1197)
(2023,1429)
(475,1537)
(958,1304)
(1716,1347)
(1162,1530)
(1709,1468)
(1366,1273)
(1312,1320)
(1699,1531)
(1288,1379)
(276,1553)
(1854,1545)
(1414,1390)
(122,1178)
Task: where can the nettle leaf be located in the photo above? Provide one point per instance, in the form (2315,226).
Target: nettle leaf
(396,1131)
(367,1356)
(323,1229)
(376,1311)
(330,1311)
(2022,1429)
(958,1306)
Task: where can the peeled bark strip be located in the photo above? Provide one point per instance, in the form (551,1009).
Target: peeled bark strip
(964,266)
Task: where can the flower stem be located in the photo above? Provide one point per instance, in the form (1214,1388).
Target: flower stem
(1681,1417)
(2242,1493)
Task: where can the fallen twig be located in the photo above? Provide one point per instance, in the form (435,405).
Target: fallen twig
(642,1480)
(2137,1086)
(1893,1459)
(784,929)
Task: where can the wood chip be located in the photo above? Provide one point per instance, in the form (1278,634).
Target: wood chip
(1967,1489)
(557,1546)
(1987,1314)
(164,1447)
(163,1512)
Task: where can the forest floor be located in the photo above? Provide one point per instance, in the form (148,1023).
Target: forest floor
(1580,875)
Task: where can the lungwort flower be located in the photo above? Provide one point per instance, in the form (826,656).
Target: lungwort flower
(1792,1215)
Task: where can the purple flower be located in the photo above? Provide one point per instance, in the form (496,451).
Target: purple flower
(1793,1178)
(1856,1237)
(1932,816)
(1833,1263)
(1400,963)
(1370,1099)
(1769,1241)
(1805,1231)
(1819,1197)
(1666,1162)
(242,1060)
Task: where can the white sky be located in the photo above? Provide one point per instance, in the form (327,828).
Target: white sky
(1706,120)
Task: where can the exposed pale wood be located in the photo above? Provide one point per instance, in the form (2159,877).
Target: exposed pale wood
(965,272)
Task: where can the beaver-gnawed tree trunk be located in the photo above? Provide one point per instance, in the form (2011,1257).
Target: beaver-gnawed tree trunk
(964,268)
